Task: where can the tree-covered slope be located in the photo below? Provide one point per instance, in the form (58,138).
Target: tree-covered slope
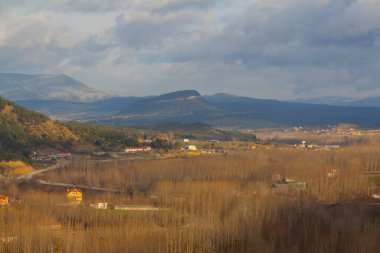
(22,130)
(106,138)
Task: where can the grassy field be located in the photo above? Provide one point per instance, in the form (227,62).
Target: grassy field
(207,204)
(16,167)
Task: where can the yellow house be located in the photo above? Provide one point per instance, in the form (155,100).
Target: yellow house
(4,200)
(74,195)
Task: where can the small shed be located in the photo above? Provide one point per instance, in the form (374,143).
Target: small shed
(191,147)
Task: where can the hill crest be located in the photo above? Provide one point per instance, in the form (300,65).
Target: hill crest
(15,86)
(183,102)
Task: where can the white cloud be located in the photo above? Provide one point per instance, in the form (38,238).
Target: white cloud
(2,34)
(37,29)
(270,48)
(141,28)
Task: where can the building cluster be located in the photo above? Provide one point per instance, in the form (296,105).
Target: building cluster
(191,149)
(137,149)
(304,144)
(341,130)
(51,157)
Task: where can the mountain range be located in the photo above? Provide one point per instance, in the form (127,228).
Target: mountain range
(342,101)
(46,87)
(23,132)
(68,99)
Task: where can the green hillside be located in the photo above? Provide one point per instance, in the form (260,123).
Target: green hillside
(106,138)
(22,130)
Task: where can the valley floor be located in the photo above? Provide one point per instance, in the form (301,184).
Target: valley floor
(255,198)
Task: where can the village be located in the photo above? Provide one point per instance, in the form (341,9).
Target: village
(140,182)
(50,159)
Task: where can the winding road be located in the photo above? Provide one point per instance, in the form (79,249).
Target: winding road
(60,163)
(29,176)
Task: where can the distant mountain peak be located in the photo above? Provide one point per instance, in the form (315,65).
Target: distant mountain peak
(343,101)
(185,103)
(221,94)
(179,95)
(15,86)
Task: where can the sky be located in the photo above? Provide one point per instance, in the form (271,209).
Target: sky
(283,49)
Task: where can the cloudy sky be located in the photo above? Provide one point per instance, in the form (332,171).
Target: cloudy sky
(261,48)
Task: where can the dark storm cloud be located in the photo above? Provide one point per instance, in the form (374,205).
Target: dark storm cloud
(170,6)
(328,39)
(63,5)
(140,29)
(263,48)
(301,34)
(108,5)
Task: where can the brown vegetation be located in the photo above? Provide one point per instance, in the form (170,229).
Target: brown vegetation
(209,204)
(52,130)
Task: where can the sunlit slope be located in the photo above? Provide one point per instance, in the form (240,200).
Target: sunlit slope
(21,130)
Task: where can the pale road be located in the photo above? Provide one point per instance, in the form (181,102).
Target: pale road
(30,175)
(76,186)
(60,163)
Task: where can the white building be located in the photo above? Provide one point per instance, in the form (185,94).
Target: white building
(137,149)
(191,147)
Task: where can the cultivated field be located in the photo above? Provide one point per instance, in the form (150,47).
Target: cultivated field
(223,203)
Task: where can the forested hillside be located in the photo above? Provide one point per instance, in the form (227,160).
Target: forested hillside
(21,130)
(104,137)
